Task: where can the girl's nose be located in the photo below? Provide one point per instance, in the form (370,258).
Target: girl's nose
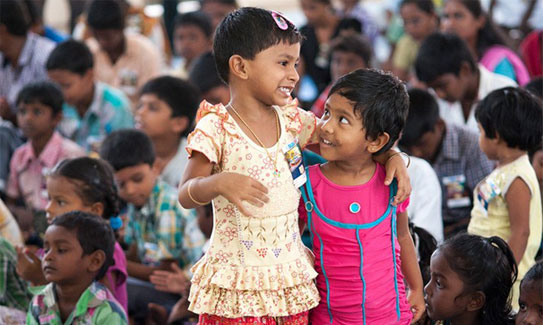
(427,290)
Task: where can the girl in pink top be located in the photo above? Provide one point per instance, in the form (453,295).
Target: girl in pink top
(361,242)
(83,184)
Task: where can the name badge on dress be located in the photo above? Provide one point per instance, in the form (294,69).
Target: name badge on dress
(487,190)
(458,195)
(293,155)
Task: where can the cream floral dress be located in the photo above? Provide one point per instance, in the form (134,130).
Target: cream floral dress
(255,266)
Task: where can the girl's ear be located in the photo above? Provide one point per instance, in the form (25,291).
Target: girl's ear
(96,260)
(97,208)
(477,301)
(378,143)
(238,67)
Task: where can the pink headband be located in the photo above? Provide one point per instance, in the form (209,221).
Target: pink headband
(280,20)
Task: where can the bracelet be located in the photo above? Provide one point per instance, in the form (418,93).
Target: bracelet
(190,196)
(401,153)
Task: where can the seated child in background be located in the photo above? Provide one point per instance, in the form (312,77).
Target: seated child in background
(348,53)
(192,37)
(531,297)
(166,111)
(92,109)
(158,231)
(507,203)
(9,228)
(471,277)
(453,152)
(205,76)
(78,251)
(122,60)
(445,64)
(83,184)
(39,110)
(13,289)
(362,244)
(176,281)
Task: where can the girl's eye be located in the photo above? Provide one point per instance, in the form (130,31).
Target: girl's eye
(438,284)
(343,121)
(61,203)
(522,306)
(283,63)
(326,113)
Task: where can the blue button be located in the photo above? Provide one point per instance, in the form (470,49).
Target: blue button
(354,207)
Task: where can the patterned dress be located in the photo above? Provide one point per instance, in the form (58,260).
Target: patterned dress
(257,265)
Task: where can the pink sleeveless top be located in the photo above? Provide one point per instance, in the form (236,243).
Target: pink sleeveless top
(357,255)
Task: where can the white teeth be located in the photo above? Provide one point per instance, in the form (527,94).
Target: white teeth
(285,90)
(326,142)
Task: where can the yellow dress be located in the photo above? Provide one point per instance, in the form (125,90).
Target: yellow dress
(255,266)
(490,217)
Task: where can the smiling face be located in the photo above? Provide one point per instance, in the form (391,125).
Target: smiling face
(530,303)
(136,183)
(272,73)
(444,292)
(64,261)
(341,132)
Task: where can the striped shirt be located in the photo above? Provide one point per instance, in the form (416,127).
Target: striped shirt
(29,68)
(109,111)
(13,289)
(163,229)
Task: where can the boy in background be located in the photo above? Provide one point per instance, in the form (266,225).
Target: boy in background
(157,230)
(192,37)
(205,76)
(445,64)
(166,112)
(39,110)
(92,109)
(454,153)
(78,251)
(122,60)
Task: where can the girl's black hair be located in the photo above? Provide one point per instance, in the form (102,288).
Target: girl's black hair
(486,265)
(490,34)
(535,273)
(95,182)
(425,244)
(247,32)
(425,5)
(513,114)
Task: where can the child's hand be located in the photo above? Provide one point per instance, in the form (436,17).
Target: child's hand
(175,282)
(29,266)
(237,188)
(395,168)
(418,306)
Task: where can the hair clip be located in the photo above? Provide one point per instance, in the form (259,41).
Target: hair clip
(280,21)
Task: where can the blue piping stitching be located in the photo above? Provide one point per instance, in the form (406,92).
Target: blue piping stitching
(338,224)
(393,222)
(362,277)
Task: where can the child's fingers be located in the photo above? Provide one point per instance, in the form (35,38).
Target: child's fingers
(259,186)
(176,268)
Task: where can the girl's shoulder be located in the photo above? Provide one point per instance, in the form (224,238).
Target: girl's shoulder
(299,122)
(215,118)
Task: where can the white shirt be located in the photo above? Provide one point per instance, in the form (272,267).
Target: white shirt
(424,208)
(488,82)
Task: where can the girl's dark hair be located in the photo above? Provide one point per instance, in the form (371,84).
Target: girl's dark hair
(379,98)
(95,182)
(425,245)
(490,34)
(425,5)
(247,32)
(486,265)
(92,233)
(513,114)
(535,273)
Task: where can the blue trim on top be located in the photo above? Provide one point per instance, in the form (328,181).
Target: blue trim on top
(313,207)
